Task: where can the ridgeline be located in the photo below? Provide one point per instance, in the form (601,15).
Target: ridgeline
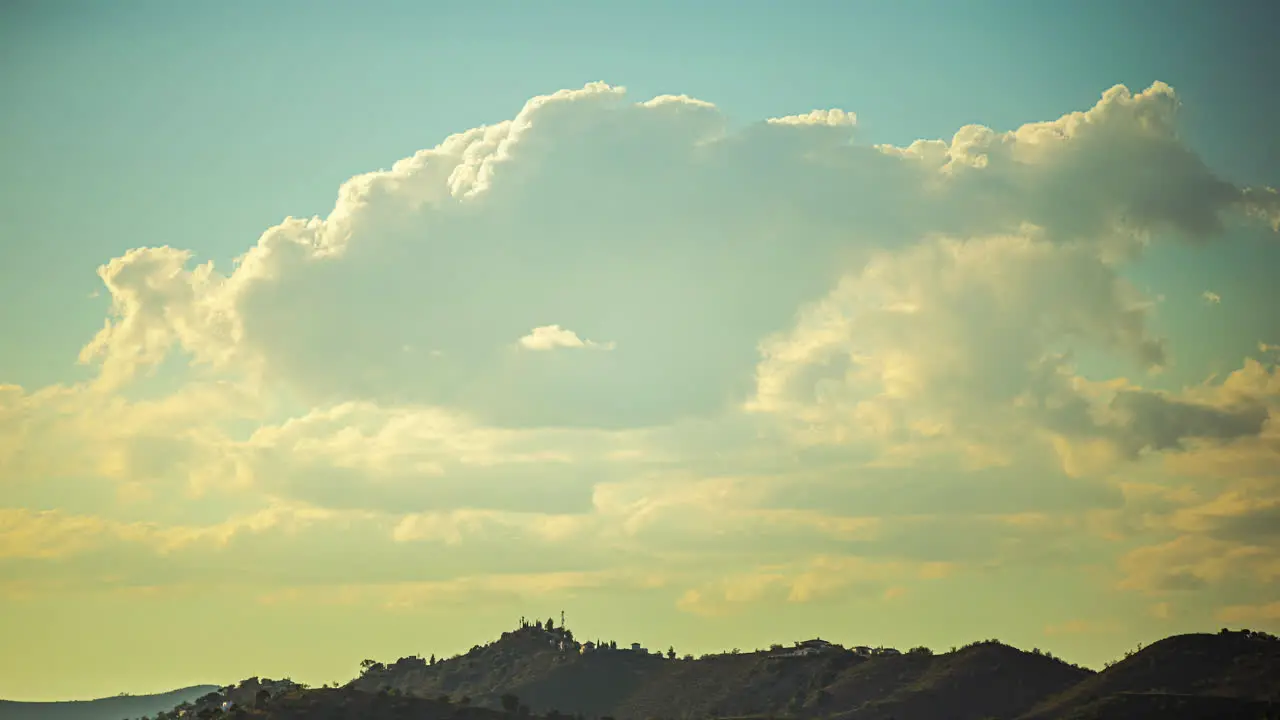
(542,671)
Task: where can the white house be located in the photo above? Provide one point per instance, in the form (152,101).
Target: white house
(818,643)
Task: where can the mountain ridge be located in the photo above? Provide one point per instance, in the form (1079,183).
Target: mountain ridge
(549,671)
(543,671)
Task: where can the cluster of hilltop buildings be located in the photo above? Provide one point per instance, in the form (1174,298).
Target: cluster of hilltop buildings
(818,646)
(562,639)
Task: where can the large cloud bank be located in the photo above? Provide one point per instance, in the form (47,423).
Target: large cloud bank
(605,317)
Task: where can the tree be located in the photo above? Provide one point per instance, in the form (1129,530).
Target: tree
(261,698)
(551,624)
(537,624)
(671,653)
(510,703)
(433,659)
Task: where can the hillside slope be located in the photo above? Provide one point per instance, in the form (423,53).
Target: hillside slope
(986,680)
(1232,664)
(349,704)
(112,708)
(1167,706)
(983,680)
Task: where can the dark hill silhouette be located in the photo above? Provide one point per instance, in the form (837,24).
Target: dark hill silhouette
(348,704)
(1167,706)
(1191,676)
(535,672)
(111,708)
(982,680)
(1240,664)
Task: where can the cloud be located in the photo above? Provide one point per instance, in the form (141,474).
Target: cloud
(1268,612)
(831,367)
(1211,297)
(962,344)
(53,534)
(655,224)
(815,579)
(1191,562)
(833,118)
(550,337)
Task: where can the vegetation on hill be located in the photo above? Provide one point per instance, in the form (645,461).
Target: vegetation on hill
(543,671)
(548,671)
(1243,665)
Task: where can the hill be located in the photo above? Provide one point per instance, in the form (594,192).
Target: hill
(548,671)
(287,701)
(1225,675)
(545,672)
(111,708)
(1242,665)
(1169,706)
(984,680)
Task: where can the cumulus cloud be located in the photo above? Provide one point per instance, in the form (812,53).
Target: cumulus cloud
(651,222)
(1211,297)
(972,339)
(550,337)
(803,335)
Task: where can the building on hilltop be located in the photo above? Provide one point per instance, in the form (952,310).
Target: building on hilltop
(815,647)
(805,648)
(817,644)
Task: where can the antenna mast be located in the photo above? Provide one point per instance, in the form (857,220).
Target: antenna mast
(561,619)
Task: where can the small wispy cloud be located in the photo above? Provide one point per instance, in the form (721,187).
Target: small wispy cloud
(1211,297)
(550,337)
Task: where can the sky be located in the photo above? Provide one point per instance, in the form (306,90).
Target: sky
(334,330)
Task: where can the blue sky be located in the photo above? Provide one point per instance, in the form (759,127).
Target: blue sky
(681,433)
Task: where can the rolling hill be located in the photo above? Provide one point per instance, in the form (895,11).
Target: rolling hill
(536,672)
(1182,676)
(111,708)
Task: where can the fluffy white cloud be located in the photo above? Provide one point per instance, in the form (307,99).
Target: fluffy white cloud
(834,117)
(650,224)
(550,337)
